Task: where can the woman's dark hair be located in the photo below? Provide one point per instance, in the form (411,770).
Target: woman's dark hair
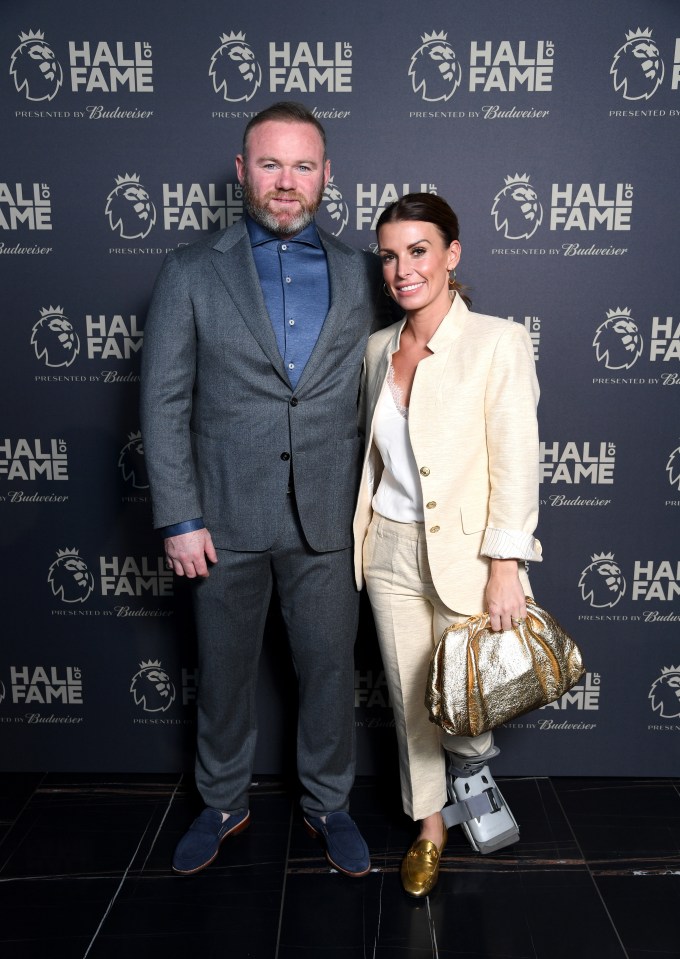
(426,208)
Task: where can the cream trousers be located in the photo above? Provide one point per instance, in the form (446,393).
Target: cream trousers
(409,619)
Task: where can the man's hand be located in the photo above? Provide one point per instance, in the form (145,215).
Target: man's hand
(187,553)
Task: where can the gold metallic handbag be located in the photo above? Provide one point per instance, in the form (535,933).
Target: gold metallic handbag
(480,679)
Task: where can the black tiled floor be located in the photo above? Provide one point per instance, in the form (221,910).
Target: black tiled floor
(84,874)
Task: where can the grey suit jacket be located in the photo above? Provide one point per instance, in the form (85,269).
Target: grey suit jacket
(223,430)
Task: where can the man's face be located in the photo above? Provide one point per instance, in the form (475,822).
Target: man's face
(283,175)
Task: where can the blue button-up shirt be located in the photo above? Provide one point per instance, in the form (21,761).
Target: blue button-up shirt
(294,279)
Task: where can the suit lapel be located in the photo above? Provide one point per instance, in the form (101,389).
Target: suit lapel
(428,380)
(342,279)
(378,380)
(233,261)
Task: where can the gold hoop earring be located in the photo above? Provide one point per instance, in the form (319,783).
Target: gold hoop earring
(386,291)
(452,279)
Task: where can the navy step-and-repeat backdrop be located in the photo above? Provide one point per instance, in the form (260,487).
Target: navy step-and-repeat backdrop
(553,132)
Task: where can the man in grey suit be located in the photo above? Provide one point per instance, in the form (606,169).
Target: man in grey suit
(250,376)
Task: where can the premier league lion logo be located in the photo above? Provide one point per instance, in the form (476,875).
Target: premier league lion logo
(665,693)
(673,468)
(53,338)
(334,212)
(516,209)
(434,69)
(618,342)
(602,583)
(132,464)
(69,577)
(152,688)
(129,208)
(234,70)
(36,71)
(637,67)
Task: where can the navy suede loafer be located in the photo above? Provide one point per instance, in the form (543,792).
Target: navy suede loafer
(345,846)
(200,844)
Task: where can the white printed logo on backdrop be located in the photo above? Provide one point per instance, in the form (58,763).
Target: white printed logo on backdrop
(673,468)
(196,206)
(34,68)
(664,695)
(152,688)
(24,205)
(45,685)
(234,71)
(129,208)
(30,459)
(69,577)
(435,70)
(516,209)
(132,463)
(637,68)
(602,583)
(618,342)
(54,339)
(333,215)
(372,198)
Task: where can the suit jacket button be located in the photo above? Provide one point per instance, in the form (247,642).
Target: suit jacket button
(431,504)
(434,529)
(294,401)
(424,471)
(285,456)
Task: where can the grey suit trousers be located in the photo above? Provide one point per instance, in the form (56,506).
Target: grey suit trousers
(320,609)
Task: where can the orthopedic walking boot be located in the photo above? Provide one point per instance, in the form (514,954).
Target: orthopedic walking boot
(477,804)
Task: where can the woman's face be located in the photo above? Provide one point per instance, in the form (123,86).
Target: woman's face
(416,263)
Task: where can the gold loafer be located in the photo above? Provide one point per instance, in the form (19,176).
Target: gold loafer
(420,867)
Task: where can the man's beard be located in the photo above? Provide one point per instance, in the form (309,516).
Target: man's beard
(282,225)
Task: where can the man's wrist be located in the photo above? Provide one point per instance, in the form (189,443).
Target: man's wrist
(177,529)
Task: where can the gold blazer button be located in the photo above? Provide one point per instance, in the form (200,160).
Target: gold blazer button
(431,504)
(434,529)
(424,471)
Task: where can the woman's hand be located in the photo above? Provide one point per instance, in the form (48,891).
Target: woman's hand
(505,598)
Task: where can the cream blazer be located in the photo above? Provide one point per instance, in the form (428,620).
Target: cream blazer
(473,429)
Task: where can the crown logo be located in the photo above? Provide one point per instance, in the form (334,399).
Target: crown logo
(127,178)
(598,557)
(38,35)
(426,37)
(150,664)
(670,669)
(52,310)
(72,551)
(517,178)
(226,37)
(619,311)
(135,436)
(639,34)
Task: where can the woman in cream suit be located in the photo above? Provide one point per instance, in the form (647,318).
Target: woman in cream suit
(448,501)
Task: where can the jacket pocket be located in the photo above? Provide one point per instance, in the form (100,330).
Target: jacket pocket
(473,519)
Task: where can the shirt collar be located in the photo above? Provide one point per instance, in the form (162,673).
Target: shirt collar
(260,235)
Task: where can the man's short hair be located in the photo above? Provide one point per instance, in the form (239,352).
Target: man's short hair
(285,111)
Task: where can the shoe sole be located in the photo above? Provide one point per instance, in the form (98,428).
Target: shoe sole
(234,831)
(315,834)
